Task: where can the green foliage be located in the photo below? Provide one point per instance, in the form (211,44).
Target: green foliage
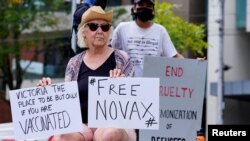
(118,12)
(17,16)
(185,36)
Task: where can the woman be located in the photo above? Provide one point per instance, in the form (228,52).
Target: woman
(96,60)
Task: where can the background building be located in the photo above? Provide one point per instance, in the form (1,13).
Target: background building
(235,55)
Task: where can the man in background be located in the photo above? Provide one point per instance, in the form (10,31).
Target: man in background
(142,37)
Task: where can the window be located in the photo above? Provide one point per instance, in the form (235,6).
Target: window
(113,2)
(241,13)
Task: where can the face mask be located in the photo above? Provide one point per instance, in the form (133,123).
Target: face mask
(144,14)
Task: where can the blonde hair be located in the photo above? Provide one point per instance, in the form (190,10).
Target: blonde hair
(81,41)
(81,37)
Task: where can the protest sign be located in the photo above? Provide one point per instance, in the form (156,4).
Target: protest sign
(124,102)
(44,111)
(182,88)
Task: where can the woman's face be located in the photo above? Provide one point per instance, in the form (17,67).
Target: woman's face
(97,33)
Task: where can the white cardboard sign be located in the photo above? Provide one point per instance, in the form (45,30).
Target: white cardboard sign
(182,88)
(44,111)
(130,103)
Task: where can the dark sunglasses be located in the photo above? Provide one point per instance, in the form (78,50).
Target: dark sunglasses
(94,26)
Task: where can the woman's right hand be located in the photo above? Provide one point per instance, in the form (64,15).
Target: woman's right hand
(116,73)
(44,81)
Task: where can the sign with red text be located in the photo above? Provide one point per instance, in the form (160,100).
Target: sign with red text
(44,111)
(182,88)
(130,103)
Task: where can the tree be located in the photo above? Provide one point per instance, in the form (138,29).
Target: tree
(16,16)
(186,36)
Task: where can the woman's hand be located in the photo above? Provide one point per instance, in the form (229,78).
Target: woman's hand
(44,81)
(116,73)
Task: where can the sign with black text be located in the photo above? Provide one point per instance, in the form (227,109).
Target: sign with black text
(131,103)
(182,88)
(45,111)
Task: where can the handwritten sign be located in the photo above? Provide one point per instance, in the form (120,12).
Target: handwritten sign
(124,102)
(182,88)
(44,111)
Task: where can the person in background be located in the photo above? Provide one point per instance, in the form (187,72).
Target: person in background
(97,59)
(142,37)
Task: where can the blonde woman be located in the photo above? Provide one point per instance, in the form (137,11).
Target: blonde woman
(97,59)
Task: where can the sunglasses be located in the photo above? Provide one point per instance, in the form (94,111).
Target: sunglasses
(94,26)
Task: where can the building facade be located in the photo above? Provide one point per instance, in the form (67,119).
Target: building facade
(235,55)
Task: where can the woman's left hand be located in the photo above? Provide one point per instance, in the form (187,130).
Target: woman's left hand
(116,73)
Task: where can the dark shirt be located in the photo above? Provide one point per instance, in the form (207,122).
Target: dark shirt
(82,80)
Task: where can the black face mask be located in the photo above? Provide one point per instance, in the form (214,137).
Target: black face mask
(144,14)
